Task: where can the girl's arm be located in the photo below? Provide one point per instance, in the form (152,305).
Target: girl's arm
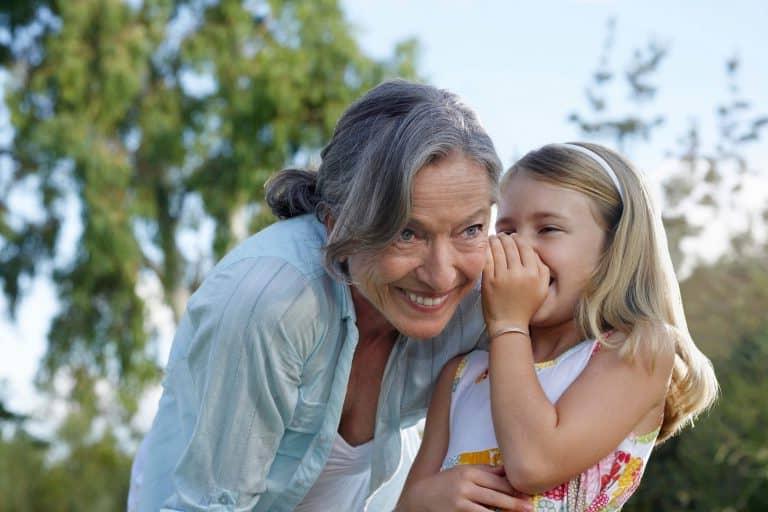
(471,488)
(545,444)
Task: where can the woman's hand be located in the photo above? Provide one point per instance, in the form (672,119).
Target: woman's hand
(475,488)
(515,283)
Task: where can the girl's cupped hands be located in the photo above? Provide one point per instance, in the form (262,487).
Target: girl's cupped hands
(515,282)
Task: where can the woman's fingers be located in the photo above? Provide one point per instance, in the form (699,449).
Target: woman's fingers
(479,488)
(491,477)
(495,500)
(494,490)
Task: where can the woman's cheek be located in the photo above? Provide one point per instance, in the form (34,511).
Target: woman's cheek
(476,259)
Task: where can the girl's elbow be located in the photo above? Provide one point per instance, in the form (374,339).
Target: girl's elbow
(529,477)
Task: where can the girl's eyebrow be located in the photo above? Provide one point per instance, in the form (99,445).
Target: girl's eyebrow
(539,216)
(548,215)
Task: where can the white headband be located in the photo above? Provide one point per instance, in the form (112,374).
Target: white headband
(600,160)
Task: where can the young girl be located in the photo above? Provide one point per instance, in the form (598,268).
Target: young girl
(590,361)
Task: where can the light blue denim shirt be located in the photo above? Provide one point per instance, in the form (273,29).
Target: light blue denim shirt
(257,377)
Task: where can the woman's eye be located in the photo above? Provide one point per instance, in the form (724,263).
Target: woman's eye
(473,231)
(407,235)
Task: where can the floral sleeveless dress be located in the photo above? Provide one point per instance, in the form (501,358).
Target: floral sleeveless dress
(605,487)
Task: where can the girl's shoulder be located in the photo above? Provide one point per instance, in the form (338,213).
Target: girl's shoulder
(650,345)
(466,366)
(641,362)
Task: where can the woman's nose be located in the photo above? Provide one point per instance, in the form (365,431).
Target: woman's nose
(439,267)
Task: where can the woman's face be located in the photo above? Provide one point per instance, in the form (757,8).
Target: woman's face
(416,283)
(561,226)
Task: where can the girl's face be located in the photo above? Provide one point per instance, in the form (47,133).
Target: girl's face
(562,227)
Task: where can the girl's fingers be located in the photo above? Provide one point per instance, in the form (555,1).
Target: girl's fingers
(543,271)
(528,256)
(489,266)
(510,248)
(499,259)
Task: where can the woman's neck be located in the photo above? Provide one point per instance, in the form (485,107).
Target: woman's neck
(372,327)
(549,342)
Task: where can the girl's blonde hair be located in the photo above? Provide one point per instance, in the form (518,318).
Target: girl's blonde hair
(633,290)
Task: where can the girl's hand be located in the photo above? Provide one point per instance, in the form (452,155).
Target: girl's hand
(466,488)
(515,283)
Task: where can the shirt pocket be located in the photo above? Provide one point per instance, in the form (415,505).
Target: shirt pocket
(308,416)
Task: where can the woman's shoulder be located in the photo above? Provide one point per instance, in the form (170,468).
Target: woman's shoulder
(260,291)
(297,242)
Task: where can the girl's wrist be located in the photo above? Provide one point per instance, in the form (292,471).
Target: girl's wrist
(510,329)
(496,325)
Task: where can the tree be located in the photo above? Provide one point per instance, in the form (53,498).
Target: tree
(159,122)
(702,177)
(157,118)
(621,128)
(722,463)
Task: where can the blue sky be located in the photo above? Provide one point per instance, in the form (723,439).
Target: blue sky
(523,66)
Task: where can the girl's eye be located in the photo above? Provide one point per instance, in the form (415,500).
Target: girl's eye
(473,231)
(549,229)
(407,235)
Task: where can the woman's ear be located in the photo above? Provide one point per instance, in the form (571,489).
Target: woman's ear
(329,223)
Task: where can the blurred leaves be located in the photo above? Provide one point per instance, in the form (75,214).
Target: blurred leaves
(153,119)
(722,463)
(156,118)
(624,127)
(157,122)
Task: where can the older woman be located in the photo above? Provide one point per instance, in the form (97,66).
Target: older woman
(312,344)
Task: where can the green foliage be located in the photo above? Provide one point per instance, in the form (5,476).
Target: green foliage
(722,463)
(705,177)
(106,113)
(92,476)
(154,117)
(21,464)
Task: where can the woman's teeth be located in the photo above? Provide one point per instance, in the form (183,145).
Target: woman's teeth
(426,301)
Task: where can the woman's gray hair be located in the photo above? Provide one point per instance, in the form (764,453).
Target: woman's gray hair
(365,178)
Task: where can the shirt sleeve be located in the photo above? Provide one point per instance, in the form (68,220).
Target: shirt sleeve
(253,324)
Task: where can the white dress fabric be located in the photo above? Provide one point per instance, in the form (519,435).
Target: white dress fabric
(602,488)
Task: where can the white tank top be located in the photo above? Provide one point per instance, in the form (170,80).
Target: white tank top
(343,483)
(605,486)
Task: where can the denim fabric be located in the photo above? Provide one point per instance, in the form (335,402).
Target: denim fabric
(257,377)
